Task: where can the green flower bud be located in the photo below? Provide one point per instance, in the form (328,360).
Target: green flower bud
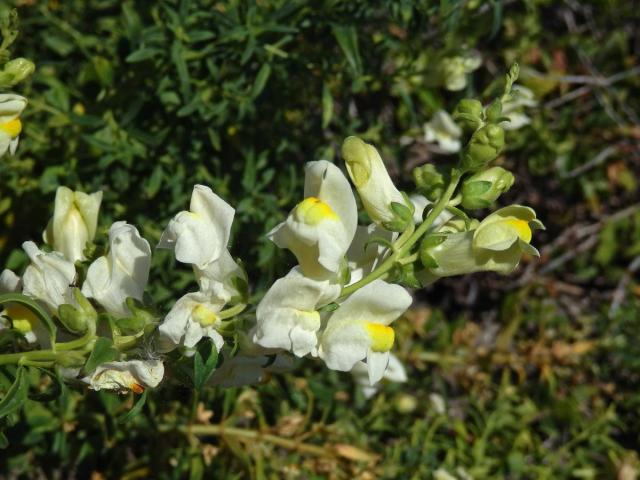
(78,318)
(494,111)
(430,181)
(139,319)
(484,188)
(485,145)
(469,114)
(16,70)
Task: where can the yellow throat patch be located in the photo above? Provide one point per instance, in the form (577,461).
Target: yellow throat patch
(12,128)
(381,336)
(312,211)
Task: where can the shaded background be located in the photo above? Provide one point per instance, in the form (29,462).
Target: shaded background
(535,375)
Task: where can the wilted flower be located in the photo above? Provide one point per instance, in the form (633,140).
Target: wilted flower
(122,377)
(319,229)
(11,106)
(359,329)
(122,273)
(74,222)
(443,130)
(200,235)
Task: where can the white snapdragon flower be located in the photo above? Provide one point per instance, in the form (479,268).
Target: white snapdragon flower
(359,329)
(369,174)
(319,229)
(14,314)
(454,70)
(11,106)
(122,273)
(363,255)
(218,278)
(74,222)
(394,372)
(444,131)
(288,317)
(513,108)
(48,278)
(122,377)
(200,235)
(194,316)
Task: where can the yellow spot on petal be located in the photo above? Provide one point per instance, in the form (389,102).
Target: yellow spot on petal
(381,336)
(12,128)
(522,228)
(204,316)
(312,211)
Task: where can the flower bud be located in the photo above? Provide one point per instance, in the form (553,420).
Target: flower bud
(494,111)
(139,319)
(430,181)
(484,188)
(74,222)
(370,176)
(485,145)
(16,70)
(78,318)
(469,114)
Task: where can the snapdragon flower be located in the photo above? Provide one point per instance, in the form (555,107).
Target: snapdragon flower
(15,315)
(11,106)
(370,176)
(442,130)
(395,372)
(359,329)
(122,377)
(513,108)
(288,317)
(122,273)
(48,277)
(200,235)
(319,230)
(454,70)
(194,316)
(74,222)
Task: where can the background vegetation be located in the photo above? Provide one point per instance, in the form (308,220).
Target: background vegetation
(535,375)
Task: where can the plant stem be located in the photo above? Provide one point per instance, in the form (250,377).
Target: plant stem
(253,435)
(413,237)
(232,312)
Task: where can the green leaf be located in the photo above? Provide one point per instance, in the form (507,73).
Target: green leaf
(327,106)
(402,211)
(261,80)
(16,395)
(103,351)
(347,38)
(204,363)
(135,410)
(54,391)
(4,442)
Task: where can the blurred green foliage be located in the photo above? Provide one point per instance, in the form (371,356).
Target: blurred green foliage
(530,376)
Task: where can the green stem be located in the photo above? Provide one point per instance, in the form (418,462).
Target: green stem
(232,312)
(21,357)
(385,266)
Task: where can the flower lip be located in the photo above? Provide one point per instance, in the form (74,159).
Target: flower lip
(12,127)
